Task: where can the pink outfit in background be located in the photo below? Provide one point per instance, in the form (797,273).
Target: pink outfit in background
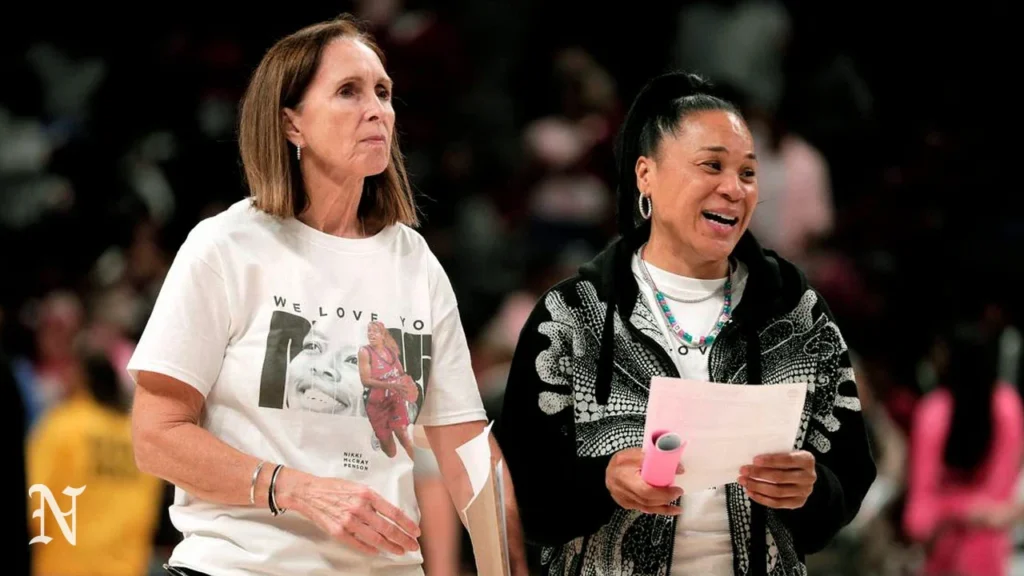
(933,498)
(796,195)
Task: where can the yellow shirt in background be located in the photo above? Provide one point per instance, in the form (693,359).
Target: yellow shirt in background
(84,444)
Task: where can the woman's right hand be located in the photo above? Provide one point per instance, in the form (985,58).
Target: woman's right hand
(629,490)
(350,512)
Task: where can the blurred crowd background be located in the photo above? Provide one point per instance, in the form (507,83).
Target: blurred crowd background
(117,137)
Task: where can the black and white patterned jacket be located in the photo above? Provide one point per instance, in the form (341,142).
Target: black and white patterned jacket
(571,404)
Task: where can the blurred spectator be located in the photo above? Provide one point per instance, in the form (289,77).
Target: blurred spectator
(109,331)
(965,461)
(795,210)
(87,442)
(996,322)
(569,155)
(51,372)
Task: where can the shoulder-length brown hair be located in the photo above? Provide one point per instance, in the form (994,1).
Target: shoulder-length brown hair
(271,170)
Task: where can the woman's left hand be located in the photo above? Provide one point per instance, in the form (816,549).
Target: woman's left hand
(780,480)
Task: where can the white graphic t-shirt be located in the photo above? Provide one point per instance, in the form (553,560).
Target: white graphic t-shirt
(703,544)
(316,352)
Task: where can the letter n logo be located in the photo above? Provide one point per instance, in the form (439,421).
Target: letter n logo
(46,500)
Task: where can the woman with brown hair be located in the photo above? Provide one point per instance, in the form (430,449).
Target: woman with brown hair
(248,389)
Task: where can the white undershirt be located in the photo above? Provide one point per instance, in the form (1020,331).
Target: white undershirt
(702,544)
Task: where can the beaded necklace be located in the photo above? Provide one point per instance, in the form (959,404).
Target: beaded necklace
(685,337)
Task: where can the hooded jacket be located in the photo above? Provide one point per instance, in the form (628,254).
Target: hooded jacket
(577,394)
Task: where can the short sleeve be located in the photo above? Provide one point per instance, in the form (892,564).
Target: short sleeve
(452,395)
(188,331)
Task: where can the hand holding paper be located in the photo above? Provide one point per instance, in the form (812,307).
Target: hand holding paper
(780,480)
(725,426)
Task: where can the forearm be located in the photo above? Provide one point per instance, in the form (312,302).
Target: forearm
(170,444)
(444,440)
(373,383)
(201,464)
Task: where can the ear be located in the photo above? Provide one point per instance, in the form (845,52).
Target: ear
(645,174)
(290,124)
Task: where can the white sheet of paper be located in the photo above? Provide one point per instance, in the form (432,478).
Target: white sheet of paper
(476,457)
(724,425)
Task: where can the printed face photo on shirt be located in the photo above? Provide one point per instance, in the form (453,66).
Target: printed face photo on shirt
(324,377)
(319,365)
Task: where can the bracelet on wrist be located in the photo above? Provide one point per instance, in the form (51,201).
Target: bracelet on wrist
(271,498)
(252,483)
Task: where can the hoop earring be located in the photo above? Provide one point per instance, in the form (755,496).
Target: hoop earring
(298,152)
(646,214)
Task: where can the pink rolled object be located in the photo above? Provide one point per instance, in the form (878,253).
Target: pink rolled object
(661,458)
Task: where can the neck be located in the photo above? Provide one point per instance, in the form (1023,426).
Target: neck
(333,206)
(681,261)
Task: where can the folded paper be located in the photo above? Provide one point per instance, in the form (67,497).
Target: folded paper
(484,516)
